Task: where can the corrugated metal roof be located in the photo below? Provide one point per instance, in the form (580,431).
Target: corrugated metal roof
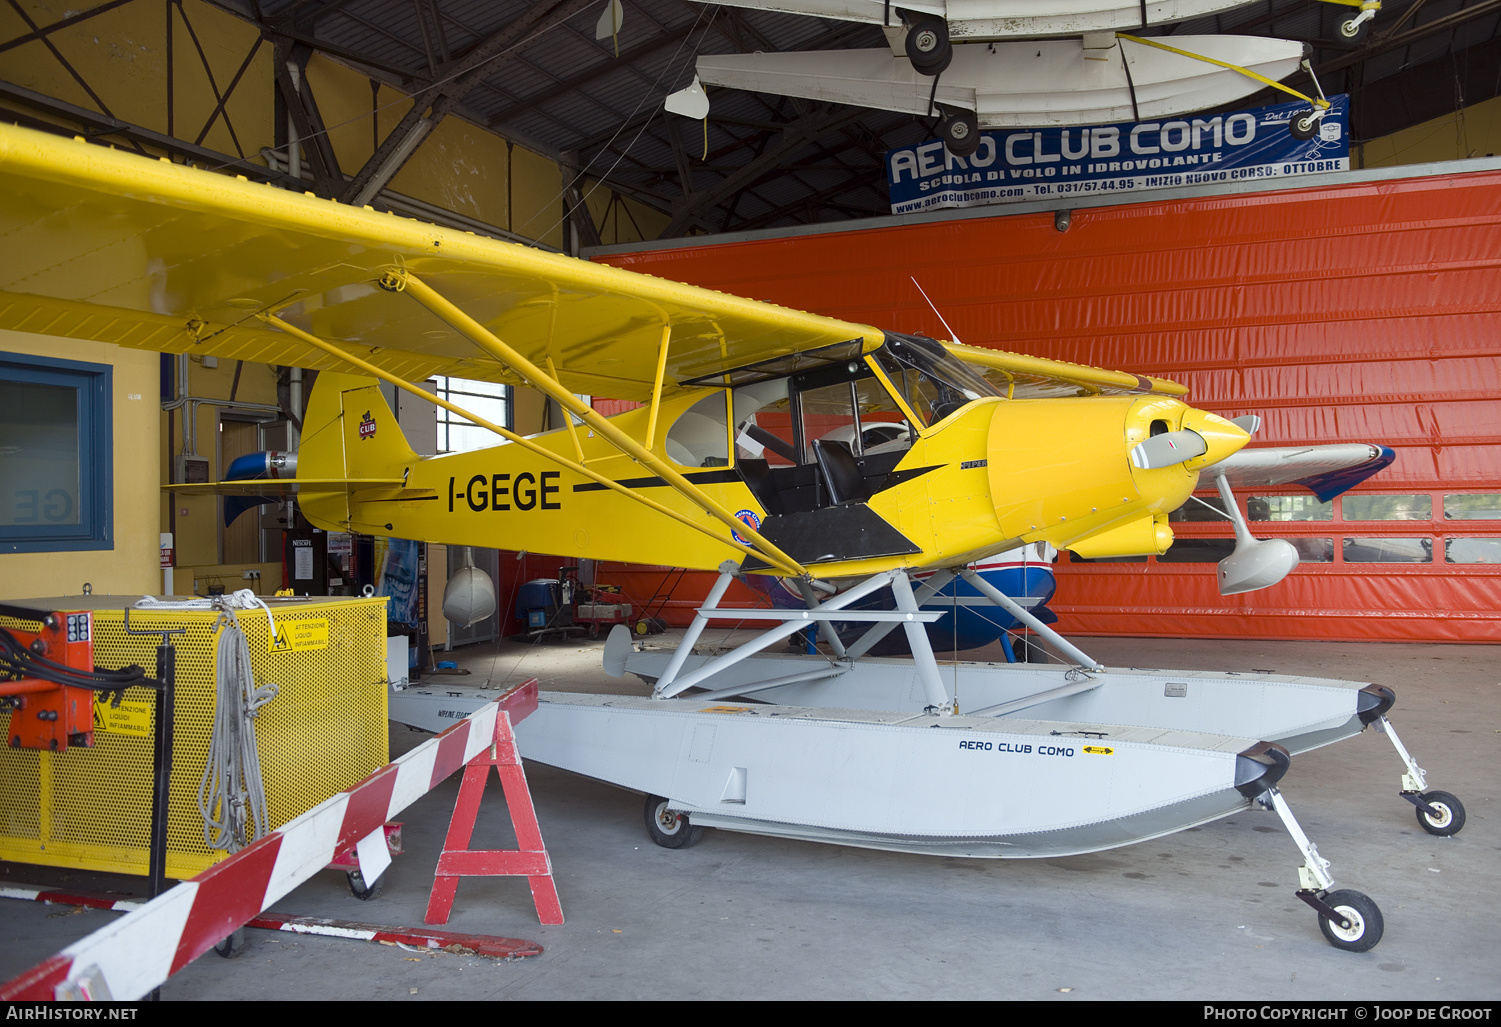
(571,96)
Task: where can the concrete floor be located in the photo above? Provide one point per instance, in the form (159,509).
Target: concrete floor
(1205,914)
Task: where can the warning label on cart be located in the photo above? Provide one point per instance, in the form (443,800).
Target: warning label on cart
(299,636)
(132,718)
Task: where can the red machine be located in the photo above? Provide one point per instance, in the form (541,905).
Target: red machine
(48,679)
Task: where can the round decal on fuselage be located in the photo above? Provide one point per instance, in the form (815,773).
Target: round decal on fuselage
(750,519)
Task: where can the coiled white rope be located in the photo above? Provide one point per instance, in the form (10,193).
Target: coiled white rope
(231,785)
(244,599)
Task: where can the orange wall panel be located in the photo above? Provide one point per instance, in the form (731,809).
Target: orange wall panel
(1338,312)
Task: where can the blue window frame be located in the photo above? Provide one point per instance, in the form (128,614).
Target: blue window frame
(56,446)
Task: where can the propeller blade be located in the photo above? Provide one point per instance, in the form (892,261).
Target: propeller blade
(1167,449)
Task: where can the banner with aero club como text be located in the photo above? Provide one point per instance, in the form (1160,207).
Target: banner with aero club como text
(1104,160)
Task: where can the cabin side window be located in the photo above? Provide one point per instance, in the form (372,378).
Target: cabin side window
(826,437)
(763,423)
(700,436)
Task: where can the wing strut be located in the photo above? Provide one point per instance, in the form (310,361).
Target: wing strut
(509,436)
(402,280)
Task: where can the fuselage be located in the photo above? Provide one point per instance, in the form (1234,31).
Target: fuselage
(807,459)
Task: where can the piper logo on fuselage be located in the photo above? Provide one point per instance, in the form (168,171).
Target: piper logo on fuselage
(498,492)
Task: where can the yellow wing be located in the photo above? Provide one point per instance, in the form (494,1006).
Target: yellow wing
(108,246)
(1019,376)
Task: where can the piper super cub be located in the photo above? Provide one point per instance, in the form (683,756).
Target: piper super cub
(728,465)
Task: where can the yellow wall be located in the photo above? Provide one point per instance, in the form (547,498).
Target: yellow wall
(122,56)
(133,566)
(465,168)
(620,219)
(536,197)
(1471,132)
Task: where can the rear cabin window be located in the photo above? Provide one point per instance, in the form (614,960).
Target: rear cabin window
(700,436)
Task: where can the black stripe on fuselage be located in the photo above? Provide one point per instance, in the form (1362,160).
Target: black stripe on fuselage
(718,477)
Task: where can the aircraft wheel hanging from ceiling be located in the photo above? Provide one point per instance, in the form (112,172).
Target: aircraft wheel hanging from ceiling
(928,45)
(1366,925)
(960,131)
(1304,126)
(1353,31)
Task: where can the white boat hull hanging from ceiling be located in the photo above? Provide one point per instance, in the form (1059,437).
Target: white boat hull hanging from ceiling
(1006,19)
(1084,81)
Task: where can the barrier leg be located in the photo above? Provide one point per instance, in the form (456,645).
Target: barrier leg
(528,860)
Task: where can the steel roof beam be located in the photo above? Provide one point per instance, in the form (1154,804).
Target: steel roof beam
(797,135)
(434,103)
(313,139)
(630,56)
(44,31)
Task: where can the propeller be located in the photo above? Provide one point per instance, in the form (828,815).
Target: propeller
(1168,449)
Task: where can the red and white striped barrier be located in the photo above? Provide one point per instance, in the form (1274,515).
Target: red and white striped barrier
(416,937)
(136,953)
(419,937)
(68,898)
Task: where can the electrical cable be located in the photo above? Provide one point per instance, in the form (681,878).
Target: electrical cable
(18,661)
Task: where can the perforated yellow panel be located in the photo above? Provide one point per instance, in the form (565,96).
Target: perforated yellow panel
(324,732)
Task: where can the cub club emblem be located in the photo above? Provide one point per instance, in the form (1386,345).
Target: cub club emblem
(367,427)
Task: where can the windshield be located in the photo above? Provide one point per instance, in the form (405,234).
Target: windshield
(934,383)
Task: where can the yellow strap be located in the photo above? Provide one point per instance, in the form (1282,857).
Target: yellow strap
(1320,102)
